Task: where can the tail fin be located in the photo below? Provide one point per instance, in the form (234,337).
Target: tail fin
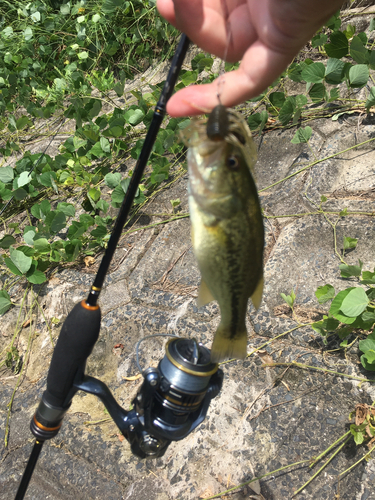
(225,347)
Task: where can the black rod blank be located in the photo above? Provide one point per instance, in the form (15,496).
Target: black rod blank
(37,448)
(139,168)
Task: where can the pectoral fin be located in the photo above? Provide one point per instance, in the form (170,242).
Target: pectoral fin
(204,295)
(256,298)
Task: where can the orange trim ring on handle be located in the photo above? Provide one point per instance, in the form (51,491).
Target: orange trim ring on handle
(87,306)
(46,428)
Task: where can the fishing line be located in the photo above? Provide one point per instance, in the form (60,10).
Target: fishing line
(228,29)
(148,337)
(38,160)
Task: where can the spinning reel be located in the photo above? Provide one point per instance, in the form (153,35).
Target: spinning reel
(172,401)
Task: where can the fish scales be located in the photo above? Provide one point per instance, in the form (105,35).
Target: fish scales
(227,225)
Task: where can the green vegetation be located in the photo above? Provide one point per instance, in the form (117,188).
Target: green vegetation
(70,65)
(71,62)
(346,57)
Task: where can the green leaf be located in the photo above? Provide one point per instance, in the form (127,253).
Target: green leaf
(97,151)
(277,99)
(335,309)
(349,31)
(314,73)
(118,193)
(14,269)
(368,343)
(41,210)
(350,242)
(368,278)
(334,95)
(48,179)
(78,142)
(349,271)
(115,131)
(20,194)
(334,71)
(7,32)
(94,194)
(338,46)
(325,326)
(36,277)
(29,236)
(302,135)
(368,360)
(370,356)
(358,435)
(35,16)
(287,110)
(175,202)
(28,33)
(325,293)
(343,212)
(86,219)
(368,317)
(105,145)
(294,72)
(358,51)
(201,62)
(134,116)
(289,299)
(6,241)
(319,40)
(102,205)
(5,301)
(6,174)
(257,120)
(372,24)
(41,245)
(23,179)
(334,22)
(66,208)
(188,77)
(20,260)
(355,302)
(112,179)
(317,92)
(358,75)
(99,232)
(59,222)
(110,6)
(83,55)
(22,122)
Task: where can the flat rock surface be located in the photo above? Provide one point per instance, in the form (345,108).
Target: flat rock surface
(265,418)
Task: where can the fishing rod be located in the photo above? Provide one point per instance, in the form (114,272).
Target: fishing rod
(173,399)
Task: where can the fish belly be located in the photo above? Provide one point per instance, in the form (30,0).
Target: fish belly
(230,262)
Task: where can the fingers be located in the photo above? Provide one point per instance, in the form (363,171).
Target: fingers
(259,68)
(204,23)
(166,9)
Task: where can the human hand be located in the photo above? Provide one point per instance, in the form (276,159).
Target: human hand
(266,35)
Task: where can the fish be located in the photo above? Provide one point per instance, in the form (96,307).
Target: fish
(226,223)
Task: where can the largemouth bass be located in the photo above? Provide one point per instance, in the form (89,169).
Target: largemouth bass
(227,225)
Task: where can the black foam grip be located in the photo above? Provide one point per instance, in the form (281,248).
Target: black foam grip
(77,338)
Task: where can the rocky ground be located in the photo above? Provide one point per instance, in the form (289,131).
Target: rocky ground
(265,418)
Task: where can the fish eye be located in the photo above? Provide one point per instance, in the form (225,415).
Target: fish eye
(232,162)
